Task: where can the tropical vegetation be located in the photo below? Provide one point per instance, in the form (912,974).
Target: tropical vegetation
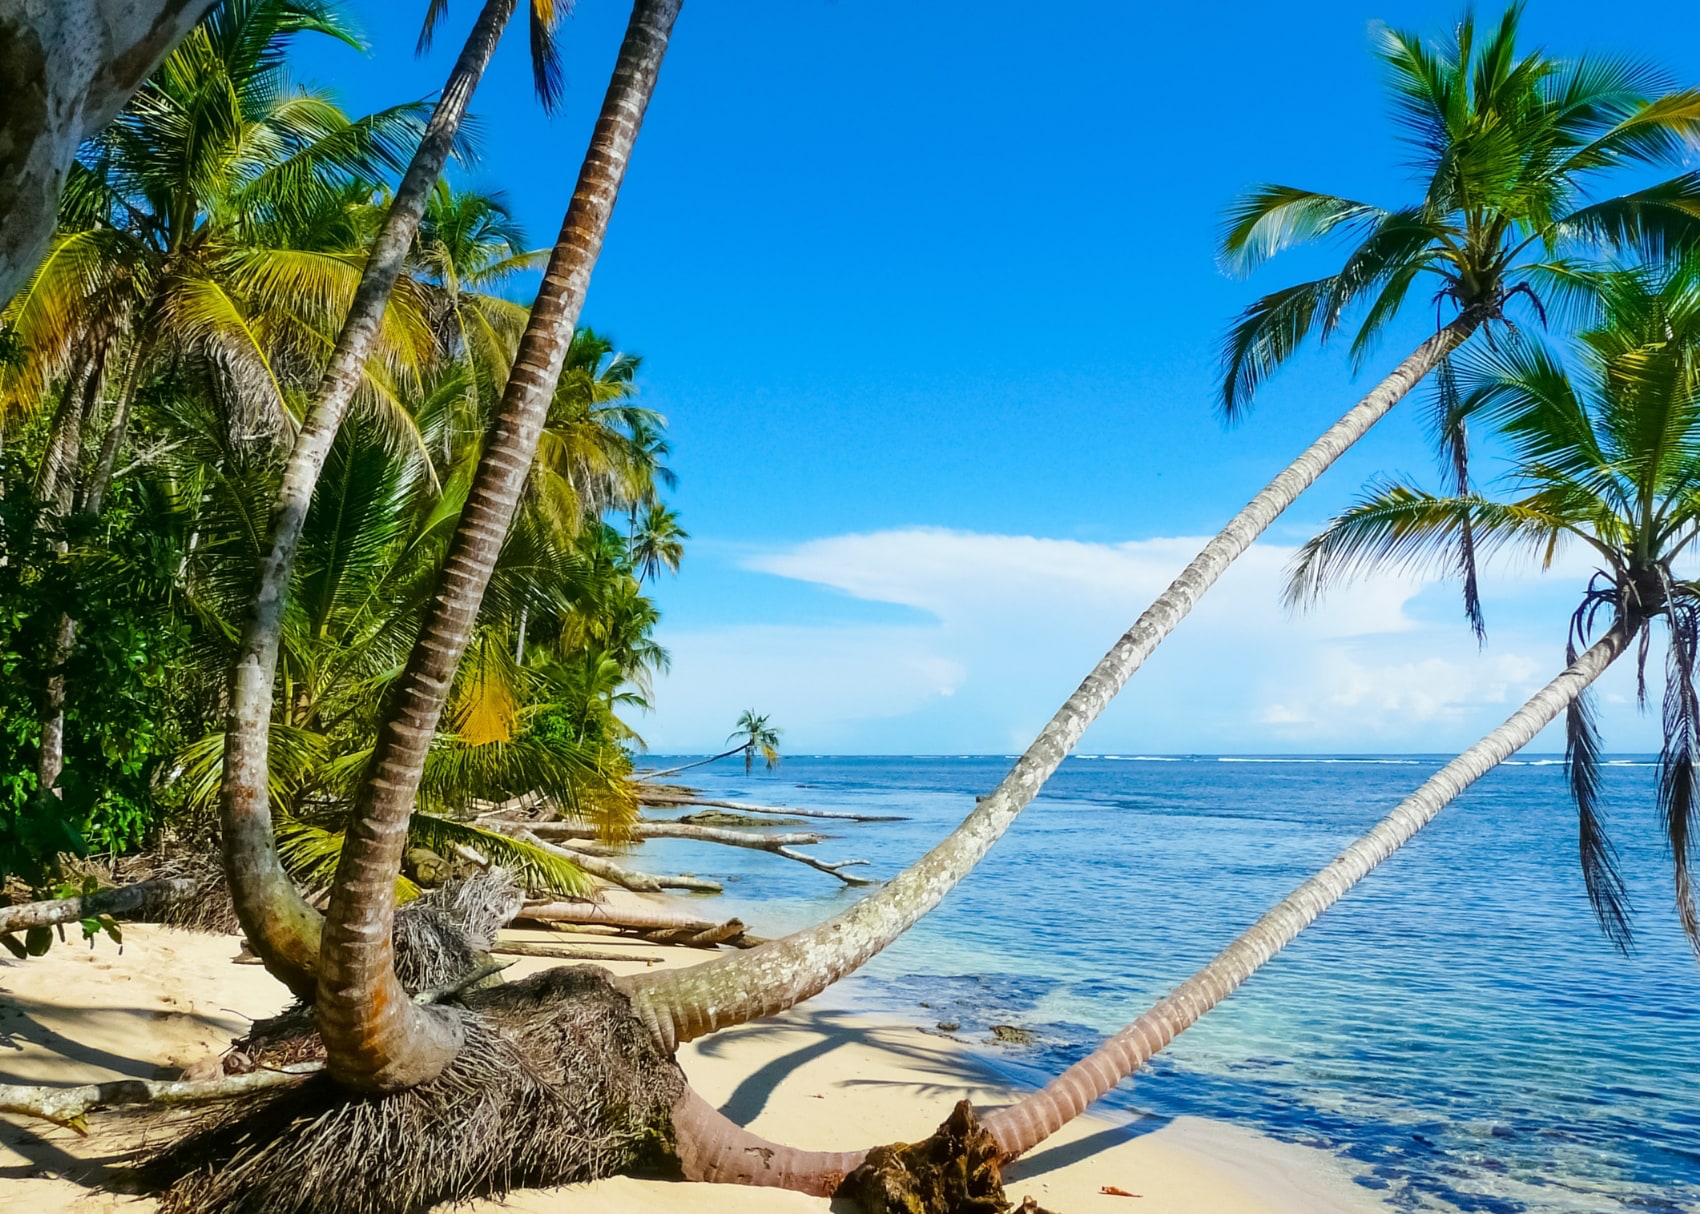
(159,362)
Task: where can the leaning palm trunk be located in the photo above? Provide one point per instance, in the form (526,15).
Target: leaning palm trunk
(673,771)
(715,1149)
(282,928)
(376,1038)
(684,1004)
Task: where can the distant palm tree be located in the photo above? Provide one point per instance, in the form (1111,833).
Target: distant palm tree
(754,735)
(657,542)
(757,736)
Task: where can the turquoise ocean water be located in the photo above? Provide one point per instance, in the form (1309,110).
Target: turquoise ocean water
(1457,1027)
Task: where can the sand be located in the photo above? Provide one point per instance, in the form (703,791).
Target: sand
(817,1077)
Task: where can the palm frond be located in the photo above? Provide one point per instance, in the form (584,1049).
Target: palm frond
(1270,218)
(1397,528)
(1598,856)
(312,853)
(539,870)
(295,758)
(1657,221)
(1265,336)
(1679,762)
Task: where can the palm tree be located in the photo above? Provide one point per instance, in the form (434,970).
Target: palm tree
(753,735)
(587,461)
(757,735)
(1607,456)
(376,1038)
(206,225)
(1508,150)
(1565,123)
(658,542)
(268,905)
(468,247)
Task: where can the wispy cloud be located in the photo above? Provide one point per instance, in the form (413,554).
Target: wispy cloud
(1009,624)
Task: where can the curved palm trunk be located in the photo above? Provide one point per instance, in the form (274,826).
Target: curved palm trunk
(715,1149)
(282,928)
(376,1038)
(673,771)
(684,1004)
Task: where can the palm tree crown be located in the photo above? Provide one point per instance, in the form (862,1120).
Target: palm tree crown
(1506,147)
(658,542)
(1606,453)
(756,734)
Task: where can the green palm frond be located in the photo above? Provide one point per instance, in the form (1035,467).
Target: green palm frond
(537,868)
(1659,219)
(311,854)
(1270,218)
(296,757)
(1265,335)
(1397,528)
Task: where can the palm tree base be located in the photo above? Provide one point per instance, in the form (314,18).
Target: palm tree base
(558,1083)
(956,1171)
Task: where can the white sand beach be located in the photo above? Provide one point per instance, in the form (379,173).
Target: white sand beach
(815,1078)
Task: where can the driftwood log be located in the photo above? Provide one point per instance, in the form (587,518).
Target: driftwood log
(527,948)
(119,900)
(659,799)
(779,844)
(69,1106)
(659,924)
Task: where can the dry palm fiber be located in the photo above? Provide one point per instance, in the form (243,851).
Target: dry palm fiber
(210,910)
(558,1082)
(440,939)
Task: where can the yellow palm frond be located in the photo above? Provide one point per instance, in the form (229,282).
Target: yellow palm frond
(488,695)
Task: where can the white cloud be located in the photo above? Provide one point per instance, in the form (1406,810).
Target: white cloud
(1011,623)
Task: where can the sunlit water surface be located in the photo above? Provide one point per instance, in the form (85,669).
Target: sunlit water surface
(1457,1026)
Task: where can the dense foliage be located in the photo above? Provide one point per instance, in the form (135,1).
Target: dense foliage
(153,372)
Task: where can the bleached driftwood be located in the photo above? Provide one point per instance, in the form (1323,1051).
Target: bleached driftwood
(779,844)
(70,1106)
(118,900)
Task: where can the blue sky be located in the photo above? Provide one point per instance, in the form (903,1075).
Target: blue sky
(928,295)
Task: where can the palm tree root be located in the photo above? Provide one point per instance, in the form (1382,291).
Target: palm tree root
(558,1082)
(956,1171)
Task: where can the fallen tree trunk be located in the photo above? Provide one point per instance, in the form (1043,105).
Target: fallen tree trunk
(625,878)
(779,845)
(666,801)
(68,1106)
(526,948)
(641,919)
(120,900)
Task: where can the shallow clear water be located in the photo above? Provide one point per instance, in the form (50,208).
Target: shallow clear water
(1457,1025)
